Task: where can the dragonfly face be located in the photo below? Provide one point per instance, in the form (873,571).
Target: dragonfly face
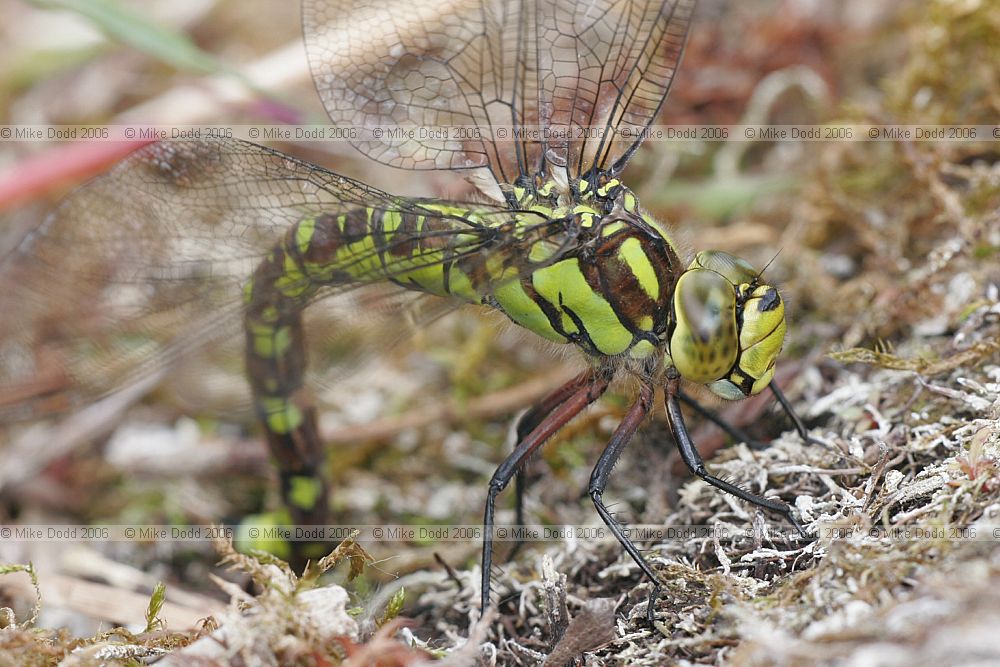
(729,326)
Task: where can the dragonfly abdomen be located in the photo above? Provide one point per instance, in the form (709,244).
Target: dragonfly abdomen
(414,244)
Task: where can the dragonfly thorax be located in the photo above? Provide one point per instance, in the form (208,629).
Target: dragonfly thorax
(604,283)
(622,292)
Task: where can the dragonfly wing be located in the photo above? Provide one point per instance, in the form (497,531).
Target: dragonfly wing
(609,66)
(568,74)
(455,64)
(148,263)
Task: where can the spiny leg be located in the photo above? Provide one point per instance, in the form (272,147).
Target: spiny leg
(528,422)
(695,463)
(800,427)
(740,435)
(556,419)
(733,432)
(599,481)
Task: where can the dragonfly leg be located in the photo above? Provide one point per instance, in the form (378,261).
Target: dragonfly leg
(733,432)
(695,463)
(599,481)
(574,403)
(527,423)
(800,427)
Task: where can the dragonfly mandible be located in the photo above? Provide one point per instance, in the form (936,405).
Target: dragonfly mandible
(187,243)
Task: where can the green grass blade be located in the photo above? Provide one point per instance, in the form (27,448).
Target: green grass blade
(137,31)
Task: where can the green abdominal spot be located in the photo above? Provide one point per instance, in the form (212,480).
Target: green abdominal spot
(428,274)
(269,341)
(460,286)
(280,415)
(292,283)
(360,260)
(305,491)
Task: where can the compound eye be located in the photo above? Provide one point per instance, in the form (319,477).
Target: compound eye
(736,270)
(705,342)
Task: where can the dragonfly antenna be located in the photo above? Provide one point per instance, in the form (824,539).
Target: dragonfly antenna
(769,262)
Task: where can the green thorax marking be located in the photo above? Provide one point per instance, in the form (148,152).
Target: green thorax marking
(608,289)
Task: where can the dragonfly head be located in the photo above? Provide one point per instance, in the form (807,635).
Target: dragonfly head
(728,326)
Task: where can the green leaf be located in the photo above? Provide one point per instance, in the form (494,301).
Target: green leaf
(156,600)
(393,607)
(127,27)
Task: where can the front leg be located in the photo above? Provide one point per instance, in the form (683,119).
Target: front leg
(689,453)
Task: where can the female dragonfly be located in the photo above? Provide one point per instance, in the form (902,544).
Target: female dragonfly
(541,102)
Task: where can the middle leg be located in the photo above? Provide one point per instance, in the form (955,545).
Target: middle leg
(556,419)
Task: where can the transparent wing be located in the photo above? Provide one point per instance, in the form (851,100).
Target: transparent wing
(608,67)
(569,73)
(147,264)
(451,64)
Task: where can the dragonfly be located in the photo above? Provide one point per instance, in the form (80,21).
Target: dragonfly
(190,243)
